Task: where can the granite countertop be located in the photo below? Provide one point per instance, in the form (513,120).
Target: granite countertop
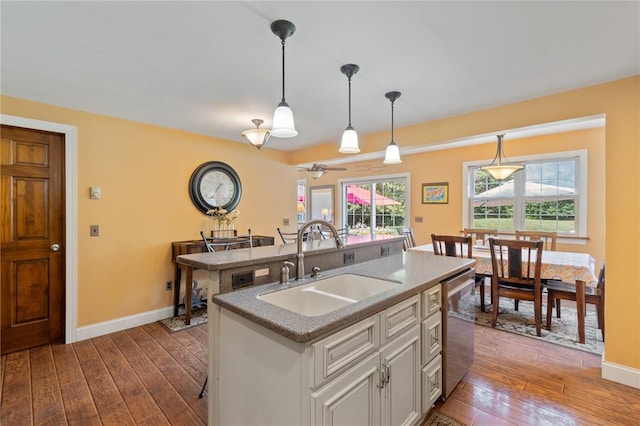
(415,271)
(248,256)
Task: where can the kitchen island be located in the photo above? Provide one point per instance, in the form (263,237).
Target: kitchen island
(375,360)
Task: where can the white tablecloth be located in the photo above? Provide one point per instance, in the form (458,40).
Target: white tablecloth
(559,265)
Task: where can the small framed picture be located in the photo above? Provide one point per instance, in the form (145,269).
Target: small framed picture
(435,193)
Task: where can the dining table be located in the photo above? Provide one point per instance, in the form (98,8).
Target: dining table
(556,265)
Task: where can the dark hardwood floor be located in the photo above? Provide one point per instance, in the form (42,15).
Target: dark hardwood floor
(147,376)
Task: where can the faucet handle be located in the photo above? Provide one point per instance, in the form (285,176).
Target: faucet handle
(315,272)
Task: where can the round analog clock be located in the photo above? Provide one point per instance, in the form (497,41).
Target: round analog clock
(215,184)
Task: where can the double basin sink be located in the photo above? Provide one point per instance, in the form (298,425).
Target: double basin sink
(327,294)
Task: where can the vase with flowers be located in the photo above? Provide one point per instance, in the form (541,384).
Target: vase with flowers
(223,222)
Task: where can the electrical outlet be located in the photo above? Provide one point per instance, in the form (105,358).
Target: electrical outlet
(418,219)
(169,285)
(384,251)
(285,222)
(94,230)
(349,258)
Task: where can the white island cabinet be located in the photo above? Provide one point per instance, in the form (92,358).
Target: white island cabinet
(376,361)
(367,373)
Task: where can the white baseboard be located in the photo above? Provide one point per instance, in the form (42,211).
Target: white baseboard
(119,324)
(621,374)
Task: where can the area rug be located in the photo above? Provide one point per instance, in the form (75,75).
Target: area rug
(564,331)
(437,419)
(198,316)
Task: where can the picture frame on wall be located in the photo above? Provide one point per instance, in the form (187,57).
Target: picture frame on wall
(435,193)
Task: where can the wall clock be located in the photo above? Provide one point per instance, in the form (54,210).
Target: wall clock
(215,184)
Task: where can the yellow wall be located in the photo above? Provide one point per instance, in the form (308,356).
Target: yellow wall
(144,172)
(446,166)
(620,102)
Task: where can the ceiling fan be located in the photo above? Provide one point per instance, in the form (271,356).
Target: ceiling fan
(318,170)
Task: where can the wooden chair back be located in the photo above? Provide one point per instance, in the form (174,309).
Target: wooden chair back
(517,266)
(548,238)
(220,244)
(409,239)
(452,245)
(479,234)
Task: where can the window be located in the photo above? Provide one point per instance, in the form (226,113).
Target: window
(301,206)
(375,206)
(548,195)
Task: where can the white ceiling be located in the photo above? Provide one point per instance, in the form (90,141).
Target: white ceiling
(211,67)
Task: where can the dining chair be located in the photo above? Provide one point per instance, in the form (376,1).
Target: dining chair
(479,233)
(221,244)
(580,293)
(226,244)
(451,245)
(343,233)
(516,268)
(288,237)
(409,239)
(549,238)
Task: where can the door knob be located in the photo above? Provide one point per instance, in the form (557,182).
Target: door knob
(55,247)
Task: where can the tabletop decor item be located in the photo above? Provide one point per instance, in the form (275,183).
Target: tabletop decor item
(223,222)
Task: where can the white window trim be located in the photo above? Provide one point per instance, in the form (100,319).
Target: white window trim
(583,177)
(341,191)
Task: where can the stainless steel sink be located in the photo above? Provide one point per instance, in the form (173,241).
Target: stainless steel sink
(327,294)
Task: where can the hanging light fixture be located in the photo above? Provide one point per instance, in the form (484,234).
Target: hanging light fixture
(349,143)
(283,126)
(392,154)
(500,168)
(257,137)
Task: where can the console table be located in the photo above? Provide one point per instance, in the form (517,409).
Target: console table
(197,246)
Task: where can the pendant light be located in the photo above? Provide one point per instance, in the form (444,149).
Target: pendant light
(283,126)
(498,169)
(392,154)
(257,137)
(349,143)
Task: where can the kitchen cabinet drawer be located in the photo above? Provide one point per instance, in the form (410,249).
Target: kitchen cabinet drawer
(431,301)
(431,383)
(431,337)
(336,352)
(399,318)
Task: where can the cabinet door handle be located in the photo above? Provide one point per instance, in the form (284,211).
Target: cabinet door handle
(387,372)
(382,378)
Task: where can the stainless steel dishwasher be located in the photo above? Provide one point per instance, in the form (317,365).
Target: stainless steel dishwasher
(458,321)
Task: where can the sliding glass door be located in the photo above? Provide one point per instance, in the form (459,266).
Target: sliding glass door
(375,206)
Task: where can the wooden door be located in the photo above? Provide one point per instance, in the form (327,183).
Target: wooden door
(31,238)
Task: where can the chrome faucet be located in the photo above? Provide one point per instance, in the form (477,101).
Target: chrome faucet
(339,243)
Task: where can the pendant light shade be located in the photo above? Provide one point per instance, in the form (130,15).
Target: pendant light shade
(349,143)
(283,125)
(392,154)
(499,168)
(256,137)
